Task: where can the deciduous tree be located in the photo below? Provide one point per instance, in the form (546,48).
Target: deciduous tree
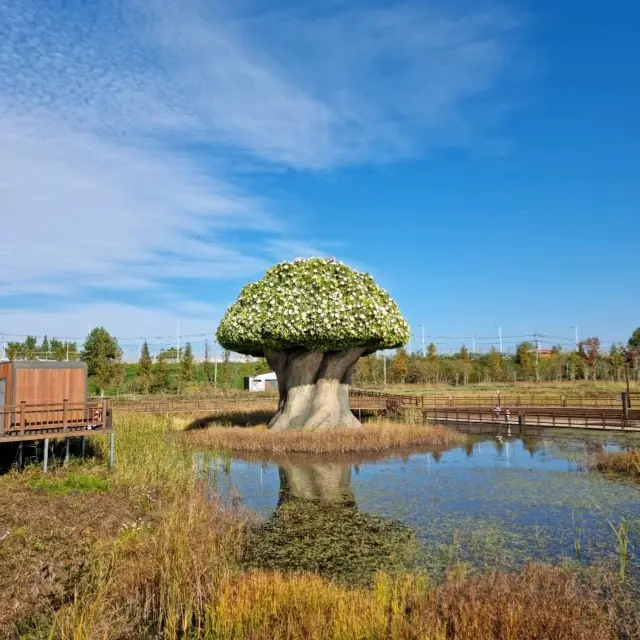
(103,357)
(634,340)
(589,350)
(399,368)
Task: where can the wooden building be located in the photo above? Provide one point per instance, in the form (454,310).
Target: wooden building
(38,382)
(40,400)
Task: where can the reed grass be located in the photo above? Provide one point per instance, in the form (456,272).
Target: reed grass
(177,573)
(181,580)
(372,437)
(619,462)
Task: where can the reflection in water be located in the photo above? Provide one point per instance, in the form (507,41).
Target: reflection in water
(489,504)
(318,527)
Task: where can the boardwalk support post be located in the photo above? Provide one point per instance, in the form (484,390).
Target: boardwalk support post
(112,450)
(45,461)
(67,442)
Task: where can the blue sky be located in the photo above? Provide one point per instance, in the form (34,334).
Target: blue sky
(480,159)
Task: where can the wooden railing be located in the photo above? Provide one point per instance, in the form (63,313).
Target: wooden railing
(577,418)
(33,422)
(517,400)
(195,405)
(362,398)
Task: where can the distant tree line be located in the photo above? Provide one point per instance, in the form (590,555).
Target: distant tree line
(173,371)
(587,362)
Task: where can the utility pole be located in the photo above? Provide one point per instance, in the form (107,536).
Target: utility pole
(577,340)
(499,327)
(384,368)
(178,341)
(424,351)
(473,348)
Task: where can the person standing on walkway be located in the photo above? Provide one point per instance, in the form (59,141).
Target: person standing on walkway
(496,413)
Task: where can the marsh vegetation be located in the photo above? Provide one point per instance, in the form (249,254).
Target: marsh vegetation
(468,541)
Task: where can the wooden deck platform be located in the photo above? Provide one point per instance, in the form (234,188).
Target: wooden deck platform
(39,422)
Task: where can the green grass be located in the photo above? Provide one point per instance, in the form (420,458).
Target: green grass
(68,483)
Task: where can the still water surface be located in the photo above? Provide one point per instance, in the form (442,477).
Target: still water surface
(490,504)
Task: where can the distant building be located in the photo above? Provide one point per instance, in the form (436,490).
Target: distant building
(263,382)
(546,353)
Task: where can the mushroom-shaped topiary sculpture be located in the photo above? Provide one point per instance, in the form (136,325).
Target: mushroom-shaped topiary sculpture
(312,319)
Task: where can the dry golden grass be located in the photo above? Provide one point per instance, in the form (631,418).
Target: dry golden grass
(180,580)
(372,437)
(175,572)
(46,535)
(577,388)
(622,462)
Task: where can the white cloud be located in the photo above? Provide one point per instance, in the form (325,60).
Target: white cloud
(319,84)
(85,211)
(123,321)
(121,122)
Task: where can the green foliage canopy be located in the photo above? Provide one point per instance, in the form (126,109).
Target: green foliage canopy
(318,304)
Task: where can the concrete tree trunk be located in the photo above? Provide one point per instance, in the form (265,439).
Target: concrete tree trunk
(313,388)
(329,482)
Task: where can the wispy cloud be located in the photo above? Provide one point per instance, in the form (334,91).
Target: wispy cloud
(121,122)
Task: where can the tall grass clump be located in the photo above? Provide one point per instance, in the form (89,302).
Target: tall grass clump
(372,437)
(182,582)
(147,455)
(620,462)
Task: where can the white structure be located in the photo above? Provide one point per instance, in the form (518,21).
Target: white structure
(263,382)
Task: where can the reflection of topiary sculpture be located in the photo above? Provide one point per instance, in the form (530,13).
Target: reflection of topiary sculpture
(312,319)
(317,527)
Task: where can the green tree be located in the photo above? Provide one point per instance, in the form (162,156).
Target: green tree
(463,354)
(616,356)
(45,348)
(58,352)
(170,354)
(64,350)
(186,366)
(103,357)
(145,364)
(260,366)
(634,340)
(417,371)
(160,375)
(15,350)
(432,352)
(31,348)
(524,358)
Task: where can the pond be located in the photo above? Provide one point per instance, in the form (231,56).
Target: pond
(490,504)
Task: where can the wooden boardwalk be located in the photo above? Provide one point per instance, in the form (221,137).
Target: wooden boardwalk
(550,417)
(609,414)
(23,423)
